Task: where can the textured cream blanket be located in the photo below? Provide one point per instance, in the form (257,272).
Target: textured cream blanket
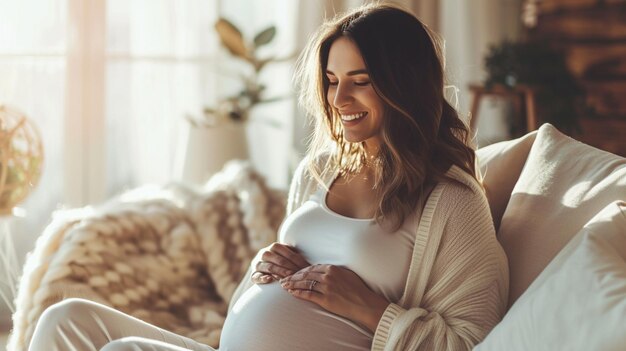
(170,256)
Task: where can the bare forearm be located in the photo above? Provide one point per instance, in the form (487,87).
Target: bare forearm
(370,314)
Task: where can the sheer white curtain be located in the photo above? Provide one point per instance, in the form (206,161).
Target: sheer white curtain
(32,78)
(33,37)
(159,59)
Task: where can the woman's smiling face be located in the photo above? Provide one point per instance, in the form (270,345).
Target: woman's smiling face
(351,93)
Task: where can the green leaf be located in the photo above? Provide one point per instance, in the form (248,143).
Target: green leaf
(231,38)
(265,36)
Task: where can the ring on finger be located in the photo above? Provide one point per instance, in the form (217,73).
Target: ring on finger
(313,283)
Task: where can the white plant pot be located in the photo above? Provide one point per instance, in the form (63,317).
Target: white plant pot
(207,149)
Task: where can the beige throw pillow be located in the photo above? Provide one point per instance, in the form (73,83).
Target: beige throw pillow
(500,165)
(564,183)
(579,301)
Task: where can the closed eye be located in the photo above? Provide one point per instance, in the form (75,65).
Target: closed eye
(361,84)
(359,72)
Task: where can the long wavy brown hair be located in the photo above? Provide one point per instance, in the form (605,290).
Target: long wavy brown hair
(422,133)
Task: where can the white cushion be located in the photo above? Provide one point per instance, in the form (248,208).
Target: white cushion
(579,301)
(500,165)
(564,183)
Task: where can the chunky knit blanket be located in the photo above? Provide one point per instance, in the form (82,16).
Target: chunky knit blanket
(170,256)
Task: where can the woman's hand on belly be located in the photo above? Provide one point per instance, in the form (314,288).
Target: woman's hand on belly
(337,290)
(278,261)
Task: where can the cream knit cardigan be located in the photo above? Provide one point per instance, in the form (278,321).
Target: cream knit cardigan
(457,287)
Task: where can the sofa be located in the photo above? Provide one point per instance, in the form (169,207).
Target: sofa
(559,209)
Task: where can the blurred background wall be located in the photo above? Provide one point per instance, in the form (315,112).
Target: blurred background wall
(592,34)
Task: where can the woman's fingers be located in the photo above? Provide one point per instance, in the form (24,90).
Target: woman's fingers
(303,280)
(273,269)
(262,278)
(278,261)
(284,260)
(311,285)
(316,268)
(291,254)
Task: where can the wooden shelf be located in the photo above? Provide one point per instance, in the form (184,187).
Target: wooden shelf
(522,97)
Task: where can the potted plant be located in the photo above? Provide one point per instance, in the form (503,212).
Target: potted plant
(540,66)
(219,135)
(236,108)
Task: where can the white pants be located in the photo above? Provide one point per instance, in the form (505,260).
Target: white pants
(78,324)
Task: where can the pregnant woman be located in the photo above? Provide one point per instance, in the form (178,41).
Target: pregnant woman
(388,243)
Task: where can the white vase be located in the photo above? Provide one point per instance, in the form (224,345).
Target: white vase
(206,149)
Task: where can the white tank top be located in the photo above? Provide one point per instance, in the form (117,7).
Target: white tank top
(266,317)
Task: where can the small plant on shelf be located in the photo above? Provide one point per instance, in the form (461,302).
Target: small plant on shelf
(236,108)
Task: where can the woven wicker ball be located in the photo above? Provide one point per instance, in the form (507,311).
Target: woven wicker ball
(21,157)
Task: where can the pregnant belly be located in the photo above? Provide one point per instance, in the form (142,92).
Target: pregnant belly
(266,317)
